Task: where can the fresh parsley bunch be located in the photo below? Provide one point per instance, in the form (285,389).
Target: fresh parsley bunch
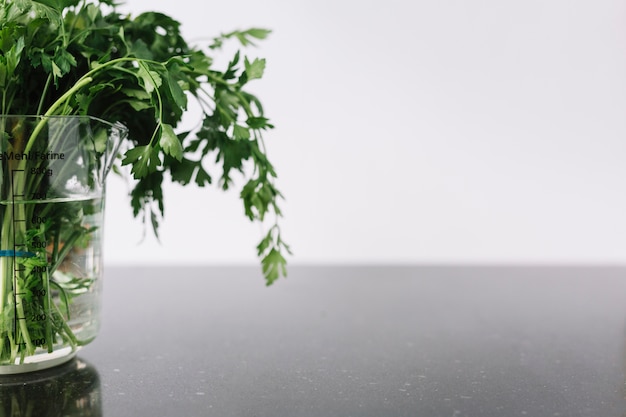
(80,57)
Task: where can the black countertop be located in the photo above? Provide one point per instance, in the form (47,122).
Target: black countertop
(346,341)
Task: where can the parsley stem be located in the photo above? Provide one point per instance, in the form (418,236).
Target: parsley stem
(79,84)
(86,79)
(43,94)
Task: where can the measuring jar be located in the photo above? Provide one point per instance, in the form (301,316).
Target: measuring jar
(52,189)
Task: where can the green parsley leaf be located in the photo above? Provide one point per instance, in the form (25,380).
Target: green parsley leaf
(175,90)
(274,265)
(202,177)
(170,143)
(83,57)
(151,80)
(144,160)
(254,69)
(240,132)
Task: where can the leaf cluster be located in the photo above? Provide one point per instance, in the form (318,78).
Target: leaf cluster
(82,57)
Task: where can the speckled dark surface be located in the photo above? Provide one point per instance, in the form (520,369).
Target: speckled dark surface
(347,341)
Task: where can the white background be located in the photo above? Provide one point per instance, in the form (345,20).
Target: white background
(417,131)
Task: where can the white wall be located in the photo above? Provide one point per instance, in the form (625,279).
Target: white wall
(418,131)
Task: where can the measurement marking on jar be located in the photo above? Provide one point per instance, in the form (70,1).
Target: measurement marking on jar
(41,171)
(16,246)
(13,190)
(37,244)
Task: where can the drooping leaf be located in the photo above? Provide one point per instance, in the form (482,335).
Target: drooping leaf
(274,266)
(202,177)
(255,68)
(170,143)
(182,171)
(240,132)
(144,160)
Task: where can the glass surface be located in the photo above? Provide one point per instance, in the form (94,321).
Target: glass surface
(51,213)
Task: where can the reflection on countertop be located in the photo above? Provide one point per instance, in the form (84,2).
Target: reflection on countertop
(69,390)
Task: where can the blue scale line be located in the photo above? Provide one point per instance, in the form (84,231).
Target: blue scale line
(17,253)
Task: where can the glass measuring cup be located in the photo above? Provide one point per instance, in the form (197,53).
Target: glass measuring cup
(52,188)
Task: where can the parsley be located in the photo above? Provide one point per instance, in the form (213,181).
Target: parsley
(83,58)
(80,57)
